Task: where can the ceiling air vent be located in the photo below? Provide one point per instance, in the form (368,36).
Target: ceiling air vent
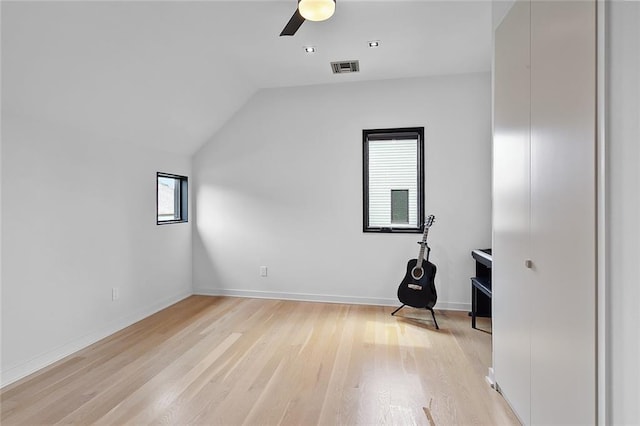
(344,67)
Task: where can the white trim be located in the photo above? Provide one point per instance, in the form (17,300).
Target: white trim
(326,298)
(490,378)
(22,370)
(601,211)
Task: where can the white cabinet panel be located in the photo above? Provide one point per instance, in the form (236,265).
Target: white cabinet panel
(563,223)
(511,183)
(544,209)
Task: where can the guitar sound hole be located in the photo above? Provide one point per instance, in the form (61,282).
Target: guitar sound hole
(417,273)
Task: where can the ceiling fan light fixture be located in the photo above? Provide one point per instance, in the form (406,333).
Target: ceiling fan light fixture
(317,10)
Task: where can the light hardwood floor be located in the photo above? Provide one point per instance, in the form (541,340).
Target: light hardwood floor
(223,360)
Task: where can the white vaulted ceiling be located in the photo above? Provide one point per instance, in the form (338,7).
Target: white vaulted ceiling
(169,74)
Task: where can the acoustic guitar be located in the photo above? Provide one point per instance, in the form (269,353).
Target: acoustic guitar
(418,288)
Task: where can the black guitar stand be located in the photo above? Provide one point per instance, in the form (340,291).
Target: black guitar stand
(433,315)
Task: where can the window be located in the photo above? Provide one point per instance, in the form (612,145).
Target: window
(171,199)
(399,206)
(393,175)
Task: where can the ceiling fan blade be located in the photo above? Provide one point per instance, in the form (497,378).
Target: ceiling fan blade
(293,24)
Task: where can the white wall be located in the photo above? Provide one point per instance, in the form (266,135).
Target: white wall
(281,185)
(623,192)
(78,218)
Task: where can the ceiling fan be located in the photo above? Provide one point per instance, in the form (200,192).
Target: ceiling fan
(312,10)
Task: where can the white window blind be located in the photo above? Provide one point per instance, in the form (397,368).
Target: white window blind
(393,166)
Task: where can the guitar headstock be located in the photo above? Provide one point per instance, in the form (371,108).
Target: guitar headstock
(430,219)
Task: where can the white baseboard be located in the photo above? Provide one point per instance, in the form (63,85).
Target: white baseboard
(490,378)
(17,372)
(326,298)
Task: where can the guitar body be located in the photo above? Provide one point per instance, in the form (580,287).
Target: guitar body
(418,288)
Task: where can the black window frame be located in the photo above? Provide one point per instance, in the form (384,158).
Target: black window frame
(182,202)
(385,134)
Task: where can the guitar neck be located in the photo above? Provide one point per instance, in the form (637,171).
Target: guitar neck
(423,245)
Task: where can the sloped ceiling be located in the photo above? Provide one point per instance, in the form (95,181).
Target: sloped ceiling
(169,74)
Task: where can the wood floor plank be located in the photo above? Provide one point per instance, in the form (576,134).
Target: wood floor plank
(228,361)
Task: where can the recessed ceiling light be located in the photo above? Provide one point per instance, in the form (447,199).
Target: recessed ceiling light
(374,43)
(310,49)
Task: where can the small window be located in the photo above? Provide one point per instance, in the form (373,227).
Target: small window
(393,175)
(171,199)
(400,206)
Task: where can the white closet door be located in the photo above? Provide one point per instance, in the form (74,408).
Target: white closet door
(563,223)
(511,280)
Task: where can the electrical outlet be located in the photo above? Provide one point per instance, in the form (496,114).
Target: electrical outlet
(263,271)
(115,293)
